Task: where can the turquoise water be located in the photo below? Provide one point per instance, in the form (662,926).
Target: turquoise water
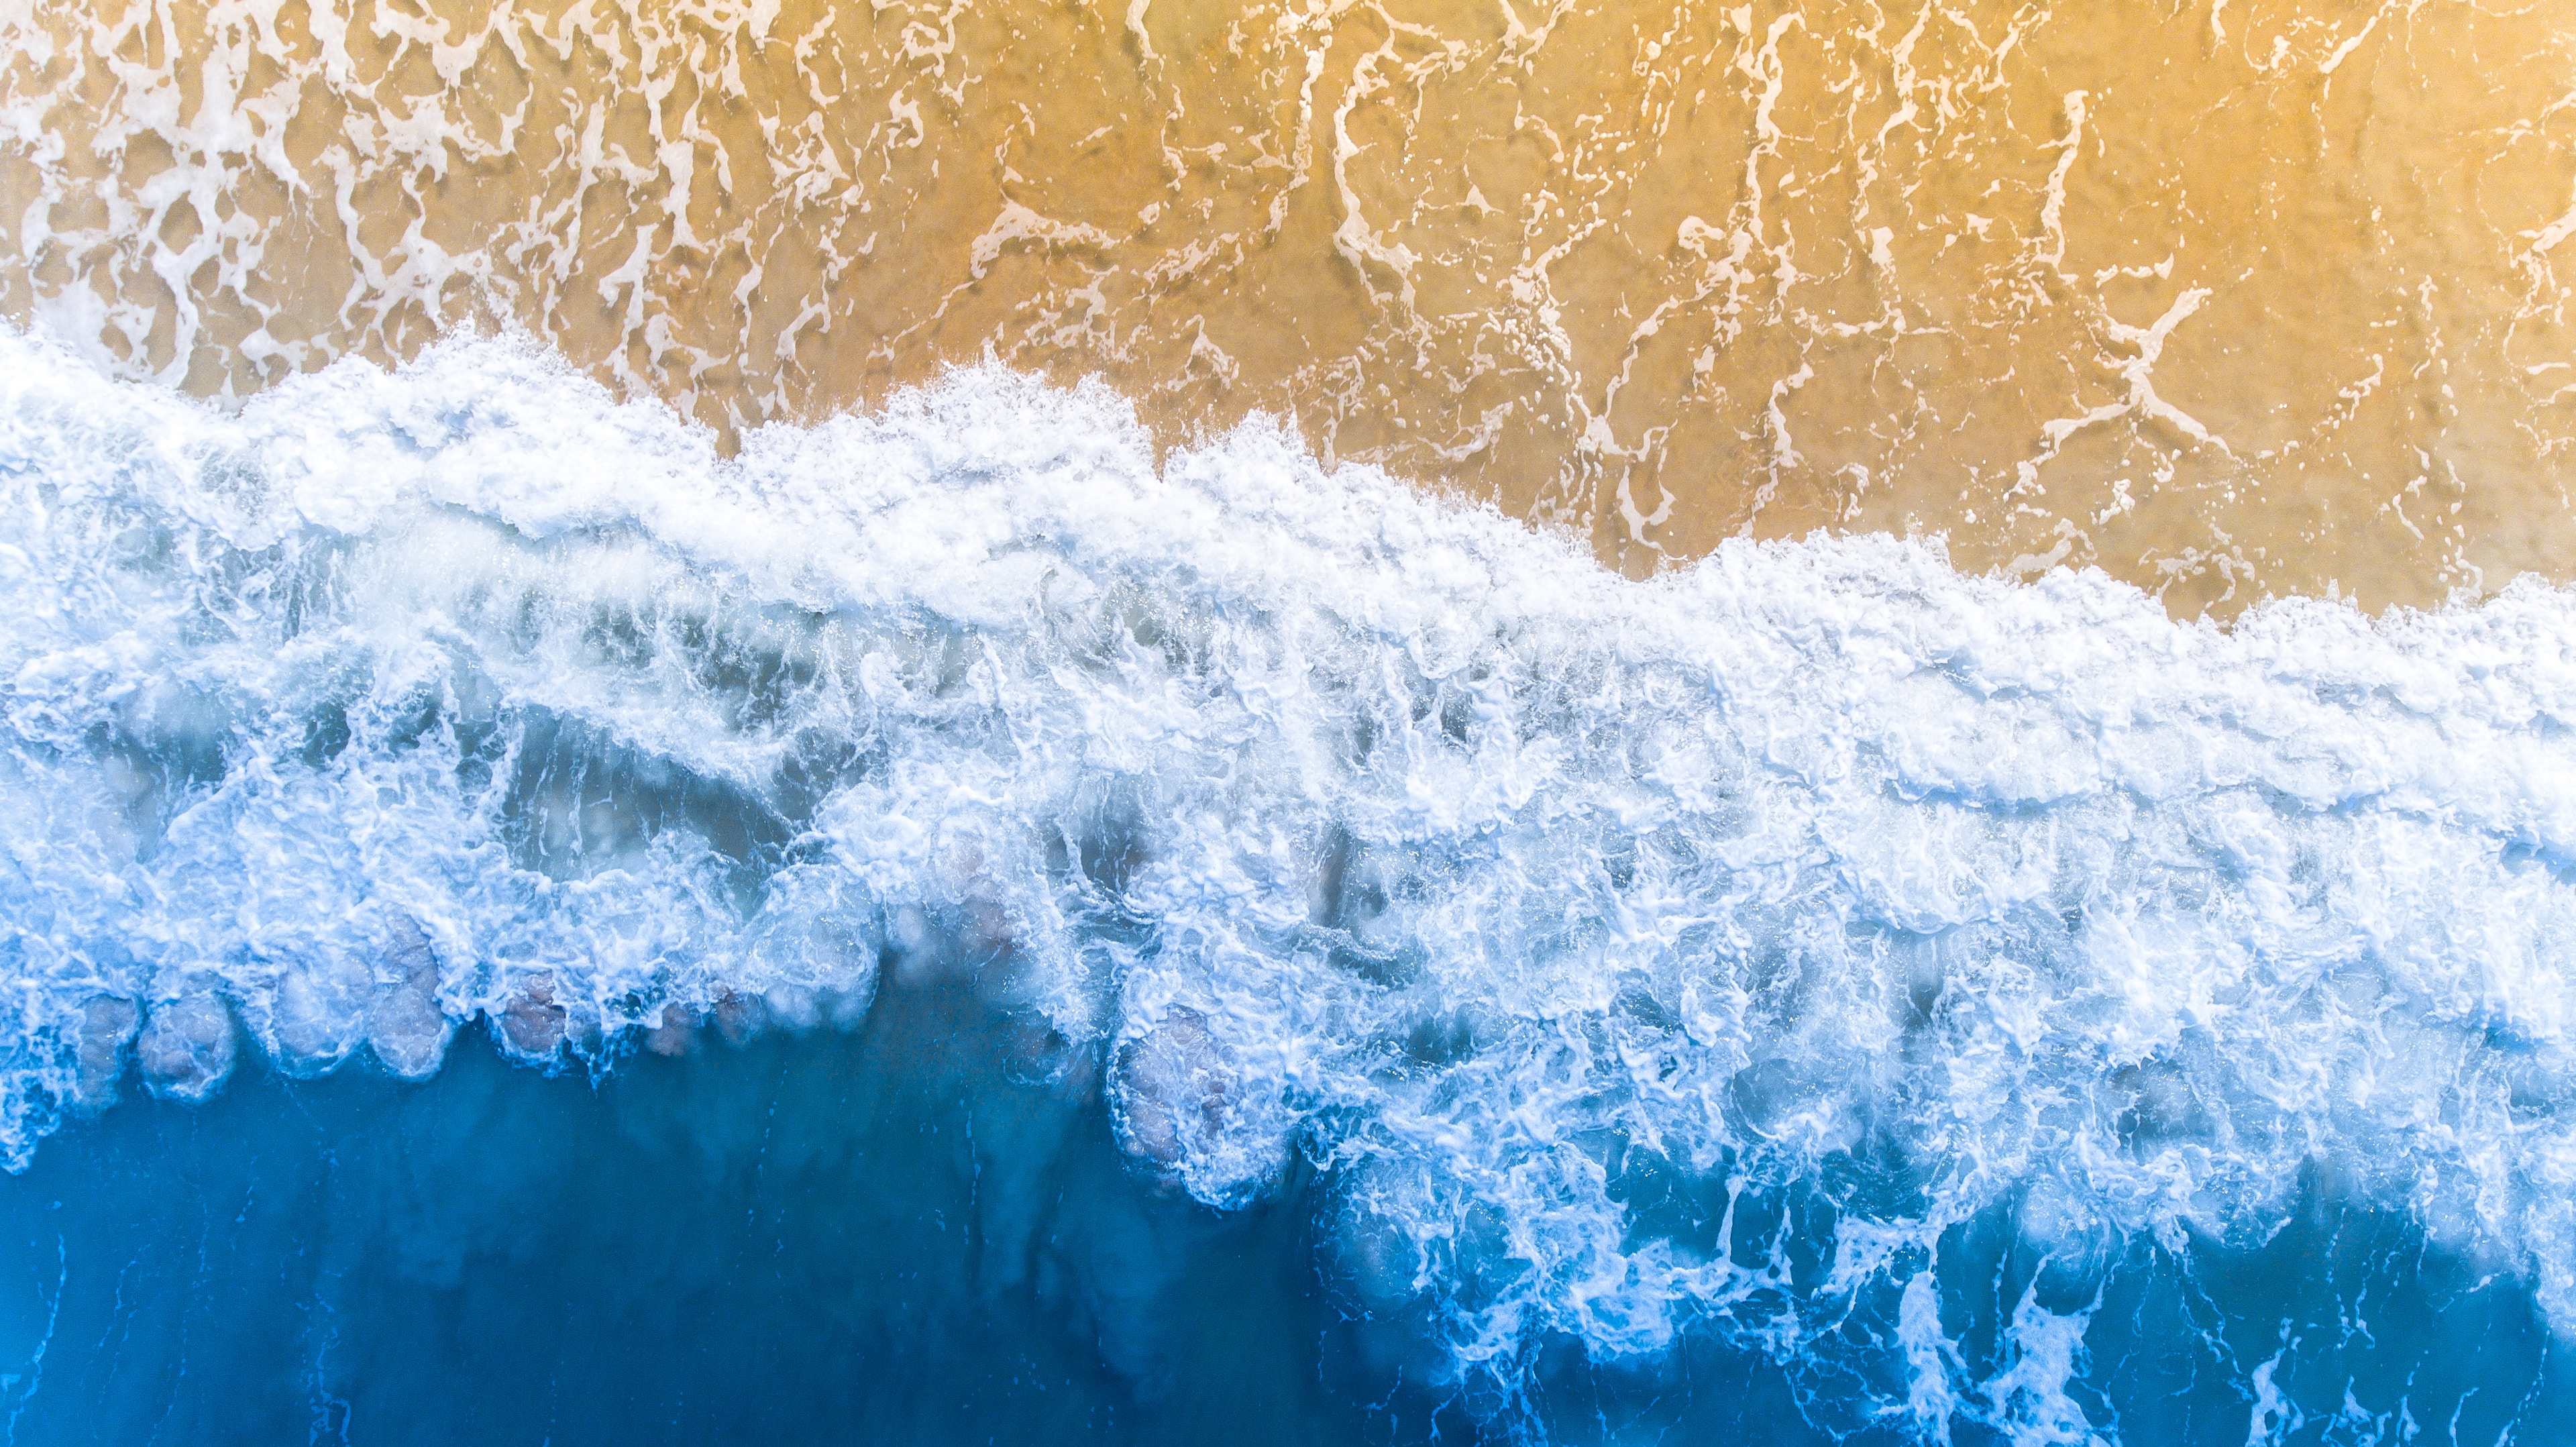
(949,926)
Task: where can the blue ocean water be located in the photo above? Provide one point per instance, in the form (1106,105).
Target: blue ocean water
(948,927)
(878,1237)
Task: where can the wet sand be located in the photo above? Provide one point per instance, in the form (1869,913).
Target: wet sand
(2230,299)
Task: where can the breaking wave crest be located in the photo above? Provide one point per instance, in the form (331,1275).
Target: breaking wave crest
(1622,958)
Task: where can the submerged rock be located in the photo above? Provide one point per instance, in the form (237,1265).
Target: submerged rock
(676,1033)
(187,1046)
(1170,1089)
(107,1027)
(532,1025)
(317,1015)
(738,1016)
(1186,1106)
(405,1028)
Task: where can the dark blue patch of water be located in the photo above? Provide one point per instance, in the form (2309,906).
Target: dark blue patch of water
(907,1235)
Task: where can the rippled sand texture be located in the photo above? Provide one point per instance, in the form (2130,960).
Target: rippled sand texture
(2230,298)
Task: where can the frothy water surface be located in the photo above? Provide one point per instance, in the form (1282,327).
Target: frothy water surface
(1814,989)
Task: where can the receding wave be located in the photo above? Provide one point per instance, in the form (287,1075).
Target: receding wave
(1619,960)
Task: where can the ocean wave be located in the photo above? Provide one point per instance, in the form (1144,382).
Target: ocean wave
(1623,957)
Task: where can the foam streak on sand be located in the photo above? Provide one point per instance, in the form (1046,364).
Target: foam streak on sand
(1556,921)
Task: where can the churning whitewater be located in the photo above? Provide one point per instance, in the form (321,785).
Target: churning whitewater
(1326,830)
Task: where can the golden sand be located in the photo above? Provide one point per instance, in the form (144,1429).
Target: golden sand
(2229,297)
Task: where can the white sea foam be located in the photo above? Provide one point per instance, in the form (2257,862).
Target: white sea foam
(1335,819)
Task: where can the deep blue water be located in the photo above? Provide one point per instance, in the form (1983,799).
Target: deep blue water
(886,1238)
